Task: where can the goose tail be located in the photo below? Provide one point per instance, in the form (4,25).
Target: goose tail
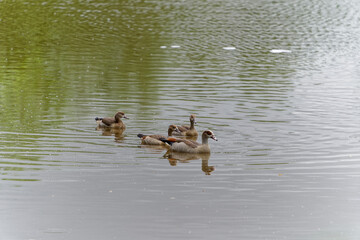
(164,140)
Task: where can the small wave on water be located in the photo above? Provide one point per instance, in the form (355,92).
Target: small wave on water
(280,51)
(276,81)
(229,48)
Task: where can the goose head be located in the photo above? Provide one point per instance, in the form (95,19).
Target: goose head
(120,115)
(209,134)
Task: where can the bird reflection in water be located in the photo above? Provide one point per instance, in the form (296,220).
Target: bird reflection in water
(175,157)
(117,132)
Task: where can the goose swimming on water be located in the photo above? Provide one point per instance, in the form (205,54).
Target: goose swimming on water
(186,130)
(155,139)
(190,146)
(112,122)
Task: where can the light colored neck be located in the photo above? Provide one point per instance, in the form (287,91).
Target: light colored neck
(192,123)
(204,139)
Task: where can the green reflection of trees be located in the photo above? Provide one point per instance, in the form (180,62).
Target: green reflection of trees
(57,59)
(54,55)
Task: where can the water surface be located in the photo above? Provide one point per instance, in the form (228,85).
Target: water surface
(276,81)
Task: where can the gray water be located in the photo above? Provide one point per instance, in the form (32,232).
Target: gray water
(276,81)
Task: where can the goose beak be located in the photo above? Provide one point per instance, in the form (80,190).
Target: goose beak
(125,117)
(177,130)
(213,137)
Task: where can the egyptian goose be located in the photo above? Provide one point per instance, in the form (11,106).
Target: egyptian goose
(186,130)
(114,122)
(155,139)
(190,146)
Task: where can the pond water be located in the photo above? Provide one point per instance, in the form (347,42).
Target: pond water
(278,82)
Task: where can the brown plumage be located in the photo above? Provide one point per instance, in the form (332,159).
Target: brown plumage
(190,146)
(186,130)
(155,138)
(114,122)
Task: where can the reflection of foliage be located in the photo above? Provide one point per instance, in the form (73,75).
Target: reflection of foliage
(57,59)
(55,55)
(20,179)
(13,169)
